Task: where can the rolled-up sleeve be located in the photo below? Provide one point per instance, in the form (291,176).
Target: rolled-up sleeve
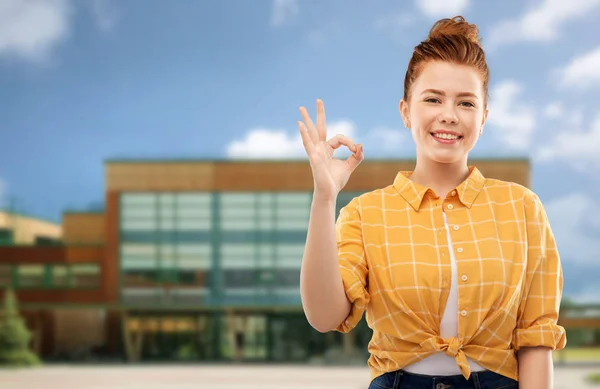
(352,263)
(539,309)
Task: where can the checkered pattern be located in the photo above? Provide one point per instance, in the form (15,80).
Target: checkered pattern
(395,264)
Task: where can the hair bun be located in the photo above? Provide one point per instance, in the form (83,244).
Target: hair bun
(455,26)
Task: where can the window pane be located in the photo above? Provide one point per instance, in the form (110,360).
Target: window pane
(202,200)
(193,212)
(138,199)
(85,276)
(141,278)
(60,276)
(31,276)
(133,213)
(237,200)
(191,224)
(141,295)
(6,236)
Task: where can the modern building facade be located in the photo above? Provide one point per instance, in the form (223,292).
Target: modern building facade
(190,260)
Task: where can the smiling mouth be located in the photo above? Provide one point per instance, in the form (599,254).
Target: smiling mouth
(446,137)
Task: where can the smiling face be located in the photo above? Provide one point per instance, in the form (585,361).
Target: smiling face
(446,111)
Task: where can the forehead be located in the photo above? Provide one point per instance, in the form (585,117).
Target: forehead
(450,78)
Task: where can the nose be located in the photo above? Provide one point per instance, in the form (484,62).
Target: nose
(448,115)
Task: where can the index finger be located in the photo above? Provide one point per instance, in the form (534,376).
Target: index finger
(321,121)
(310,126)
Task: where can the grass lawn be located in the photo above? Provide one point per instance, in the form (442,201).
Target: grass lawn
(577,355)
(594,378)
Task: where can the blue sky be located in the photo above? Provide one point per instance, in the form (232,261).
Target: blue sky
(83,81)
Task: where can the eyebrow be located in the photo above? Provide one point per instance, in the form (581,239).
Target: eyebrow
(442,93)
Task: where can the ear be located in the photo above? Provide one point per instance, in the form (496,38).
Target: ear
(405,113)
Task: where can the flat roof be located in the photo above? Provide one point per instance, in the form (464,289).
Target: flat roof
(290,160)
(28,216)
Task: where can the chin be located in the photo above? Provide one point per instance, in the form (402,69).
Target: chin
(447,157)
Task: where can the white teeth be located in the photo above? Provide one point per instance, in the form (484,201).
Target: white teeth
(446,136)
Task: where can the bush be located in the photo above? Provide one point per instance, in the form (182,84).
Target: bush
(14,336)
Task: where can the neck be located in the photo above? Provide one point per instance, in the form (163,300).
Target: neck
(440,177)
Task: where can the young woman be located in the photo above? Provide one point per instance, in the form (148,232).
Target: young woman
(459,274)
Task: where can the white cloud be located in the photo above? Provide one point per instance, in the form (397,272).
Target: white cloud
(554,110)
(31,29)
(388,139)
(574,146)
(105,14)
(442,8)
(582,72)
(282,11)
(262,143)
(575,223)
(514,118)
(540,23)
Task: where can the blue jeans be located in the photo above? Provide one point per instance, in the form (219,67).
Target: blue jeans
(478,380)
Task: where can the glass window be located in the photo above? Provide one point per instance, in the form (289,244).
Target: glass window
(139,225)
(194,277)
(6,236)
(194,224)
(138,262)
(292,223)
(202,200)
(60,276)
(141,295)
(166,199)
(141,278)
(237,200)
(194,262)
(285,200)
(189,295)
(192,249)
(287,277)
(238,224)
(239,278)
(193,212)
(136,213)
(138,199)
(85,275)
(138,249)
(46,241)
(31,276)
(291,250)
(246,212)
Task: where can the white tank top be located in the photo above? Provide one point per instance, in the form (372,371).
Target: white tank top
(440,363)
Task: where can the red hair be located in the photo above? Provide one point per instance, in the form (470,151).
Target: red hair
(450,40)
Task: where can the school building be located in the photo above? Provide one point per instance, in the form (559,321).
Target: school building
(189,260)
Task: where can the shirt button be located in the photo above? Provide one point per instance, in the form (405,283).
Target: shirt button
(455,228)
(463,313)
(453,193)
(464,277)
(460,250)
(450,206)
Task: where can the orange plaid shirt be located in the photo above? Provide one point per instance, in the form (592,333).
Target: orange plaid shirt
(394,260)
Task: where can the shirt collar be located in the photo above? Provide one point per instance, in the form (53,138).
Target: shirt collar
(414,193)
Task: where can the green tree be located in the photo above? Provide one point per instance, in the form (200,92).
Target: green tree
(14,335)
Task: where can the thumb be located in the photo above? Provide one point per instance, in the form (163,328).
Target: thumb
(356,158)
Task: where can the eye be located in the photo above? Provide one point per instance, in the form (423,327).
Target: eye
(432,100)
(468,104)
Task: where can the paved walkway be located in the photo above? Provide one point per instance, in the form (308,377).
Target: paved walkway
(220,377)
